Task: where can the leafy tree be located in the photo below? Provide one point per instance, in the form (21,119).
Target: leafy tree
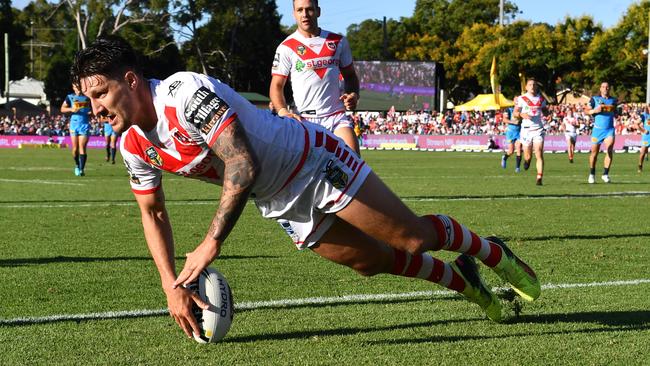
(17,36)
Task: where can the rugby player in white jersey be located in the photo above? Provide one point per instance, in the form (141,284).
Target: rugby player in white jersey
(531,108)
(195,126)
(315,59)
(570,128)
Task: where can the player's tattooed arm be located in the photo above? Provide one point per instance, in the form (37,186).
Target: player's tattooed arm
(240,172)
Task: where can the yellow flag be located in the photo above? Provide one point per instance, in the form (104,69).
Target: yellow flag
(494,81)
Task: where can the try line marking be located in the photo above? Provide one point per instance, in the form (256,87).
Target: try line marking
(253,305)
(405,199)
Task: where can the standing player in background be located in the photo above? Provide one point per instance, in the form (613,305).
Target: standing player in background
(78,105)
(570,128)
(644,127)
(314,59)
(531,108)
(513,131)
(603,108)
(111,137)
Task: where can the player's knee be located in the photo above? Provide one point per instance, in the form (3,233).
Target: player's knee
(367,268)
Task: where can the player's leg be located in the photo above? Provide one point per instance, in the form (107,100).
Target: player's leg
(593,159)
(388,220)
(507,153)
(348,136)
(107,141)
(83,143)
(113,145)
(538,146)
(348,246)
(642,154)
(528,154)
(609,157)
(74,139)
(518,157)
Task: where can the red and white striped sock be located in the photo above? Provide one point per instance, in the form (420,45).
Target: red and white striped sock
(455,237)
(426,267)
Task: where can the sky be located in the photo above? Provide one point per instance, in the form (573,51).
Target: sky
(337,15)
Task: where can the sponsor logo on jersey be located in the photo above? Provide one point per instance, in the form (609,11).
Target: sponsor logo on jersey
(173,87)
(331,45)
(276,60)
(316,64)
(337,177)
(185,140)
(153,156)
(301,50)
(286,225)
(300,66)
(132,177)
(205,109)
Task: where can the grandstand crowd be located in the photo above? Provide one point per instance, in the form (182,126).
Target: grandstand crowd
(409,122)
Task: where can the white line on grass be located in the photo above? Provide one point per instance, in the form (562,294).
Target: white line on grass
(406,199)
(40,181)
(253,305)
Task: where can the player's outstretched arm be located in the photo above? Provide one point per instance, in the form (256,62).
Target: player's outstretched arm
(158,233)
(351,85)
(240,172)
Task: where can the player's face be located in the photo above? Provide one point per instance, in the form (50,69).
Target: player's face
(604,89)
(306,14)
(111,99)
(531,87)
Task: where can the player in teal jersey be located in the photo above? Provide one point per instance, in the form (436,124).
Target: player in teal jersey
(111,139)
(603,108)
(512,139)
(644,127)
(78,105)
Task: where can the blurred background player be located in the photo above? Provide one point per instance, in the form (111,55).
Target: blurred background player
(644,127)
(314,59)
(111,137)
(570,128)
(78,105)
(603,108)
(531,108)
(513,130)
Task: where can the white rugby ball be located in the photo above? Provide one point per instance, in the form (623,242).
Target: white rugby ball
(216,320)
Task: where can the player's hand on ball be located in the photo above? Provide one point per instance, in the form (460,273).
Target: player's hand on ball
(180,301)
(196,262)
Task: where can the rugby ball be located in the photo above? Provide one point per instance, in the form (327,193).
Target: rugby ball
(215,321)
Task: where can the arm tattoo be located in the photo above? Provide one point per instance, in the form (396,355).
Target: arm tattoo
(240,171)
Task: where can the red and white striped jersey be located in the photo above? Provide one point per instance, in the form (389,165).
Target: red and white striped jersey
(314,67)
(192,111)
(533,106)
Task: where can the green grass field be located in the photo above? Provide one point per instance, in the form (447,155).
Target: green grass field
(74,245)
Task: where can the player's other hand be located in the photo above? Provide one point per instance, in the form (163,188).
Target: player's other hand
(350,100)
(180,302)
(196,262)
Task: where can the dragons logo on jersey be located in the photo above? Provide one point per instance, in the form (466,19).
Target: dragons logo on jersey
(205,109)
(173,87)
(335,175)
(301,50)
(153,156)
(331,45)
(300,66)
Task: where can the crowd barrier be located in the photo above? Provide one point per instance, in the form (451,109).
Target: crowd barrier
(462,142)
(405,142)
(11,141)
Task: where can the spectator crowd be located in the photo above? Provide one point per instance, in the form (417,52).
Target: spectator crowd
(408,122)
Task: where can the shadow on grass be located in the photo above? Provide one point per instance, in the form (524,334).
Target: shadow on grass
(615,321)
(17,262)
(578,237)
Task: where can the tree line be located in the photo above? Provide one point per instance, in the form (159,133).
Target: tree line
(235,41)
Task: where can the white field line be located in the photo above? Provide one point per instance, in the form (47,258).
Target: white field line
(405,199)
(40,181)
(254,305)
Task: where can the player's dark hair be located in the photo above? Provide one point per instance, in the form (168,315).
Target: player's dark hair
(109,56)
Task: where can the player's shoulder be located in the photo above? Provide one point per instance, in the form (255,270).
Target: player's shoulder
(179,87)
(331,35)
